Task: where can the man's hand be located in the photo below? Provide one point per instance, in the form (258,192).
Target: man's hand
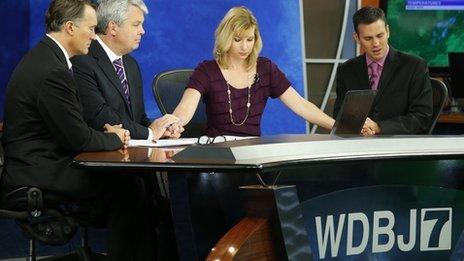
(173,131)
(370,128)
(123,134)
(160,125)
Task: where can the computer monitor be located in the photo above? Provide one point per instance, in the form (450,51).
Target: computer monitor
(456,62)
(455,81)
(429,29)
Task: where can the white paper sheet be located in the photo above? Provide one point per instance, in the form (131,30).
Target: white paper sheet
(177,142)
(163,142)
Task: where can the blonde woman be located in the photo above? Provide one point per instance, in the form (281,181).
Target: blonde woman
(237,83)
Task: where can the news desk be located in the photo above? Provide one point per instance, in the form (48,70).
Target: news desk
(310,197)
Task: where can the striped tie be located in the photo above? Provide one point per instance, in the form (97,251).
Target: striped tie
(122,78)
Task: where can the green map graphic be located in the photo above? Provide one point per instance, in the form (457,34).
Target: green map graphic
(430,34)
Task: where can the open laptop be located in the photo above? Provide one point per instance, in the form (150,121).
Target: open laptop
(353,112)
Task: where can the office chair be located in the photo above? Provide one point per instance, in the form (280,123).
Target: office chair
(168,88)
(46,217)
(439,97)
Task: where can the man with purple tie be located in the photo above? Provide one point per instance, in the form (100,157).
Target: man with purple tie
(111,90)
(109,79)
(403,104)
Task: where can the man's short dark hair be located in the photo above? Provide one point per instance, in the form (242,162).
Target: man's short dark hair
(61,11)
(368,15)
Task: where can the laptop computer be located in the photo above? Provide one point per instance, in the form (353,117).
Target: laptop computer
(353,112)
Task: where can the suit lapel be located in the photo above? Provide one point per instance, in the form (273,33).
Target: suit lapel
(361,73)
(107,67)
(387,73)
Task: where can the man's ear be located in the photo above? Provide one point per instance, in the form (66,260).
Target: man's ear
(112,28)
(356,37)
(69,27)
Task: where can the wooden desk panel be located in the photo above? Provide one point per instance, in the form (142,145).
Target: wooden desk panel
(453,118)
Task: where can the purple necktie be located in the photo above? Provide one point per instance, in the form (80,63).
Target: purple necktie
(122,78)
(375,75)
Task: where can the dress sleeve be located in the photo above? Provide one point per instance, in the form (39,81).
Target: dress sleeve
(279,82)
(200,79)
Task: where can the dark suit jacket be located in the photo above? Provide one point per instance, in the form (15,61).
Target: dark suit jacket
(102,96)
(43,125)
(403,104)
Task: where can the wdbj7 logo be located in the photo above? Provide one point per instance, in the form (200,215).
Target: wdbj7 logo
(434,232)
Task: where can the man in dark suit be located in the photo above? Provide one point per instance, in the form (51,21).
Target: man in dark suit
(109,79)
(111,90)
(44,129)
(403,104)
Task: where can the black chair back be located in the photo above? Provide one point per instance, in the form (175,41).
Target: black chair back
(439,97)
(168,88)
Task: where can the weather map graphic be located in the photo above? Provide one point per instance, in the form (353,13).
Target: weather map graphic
(429,29)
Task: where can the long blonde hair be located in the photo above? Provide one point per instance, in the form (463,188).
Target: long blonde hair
(235,23)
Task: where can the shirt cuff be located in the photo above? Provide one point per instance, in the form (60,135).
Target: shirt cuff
(150,134)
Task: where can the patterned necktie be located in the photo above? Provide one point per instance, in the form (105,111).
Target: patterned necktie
(374,77)
(122,78)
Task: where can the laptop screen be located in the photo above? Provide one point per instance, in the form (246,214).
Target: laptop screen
(353,112)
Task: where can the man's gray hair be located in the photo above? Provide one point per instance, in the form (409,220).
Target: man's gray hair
(116,11)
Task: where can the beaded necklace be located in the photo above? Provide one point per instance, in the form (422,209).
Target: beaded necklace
(248,103)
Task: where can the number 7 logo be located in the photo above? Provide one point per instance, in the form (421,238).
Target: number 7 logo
(436,230)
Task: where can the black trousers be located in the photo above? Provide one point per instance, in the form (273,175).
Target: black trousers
(127,205)
(166,240)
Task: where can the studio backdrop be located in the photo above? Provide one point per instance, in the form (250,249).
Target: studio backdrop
(179,34)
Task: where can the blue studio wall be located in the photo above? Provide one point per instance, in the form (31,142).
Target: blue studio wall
(179,34)
(14,16)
